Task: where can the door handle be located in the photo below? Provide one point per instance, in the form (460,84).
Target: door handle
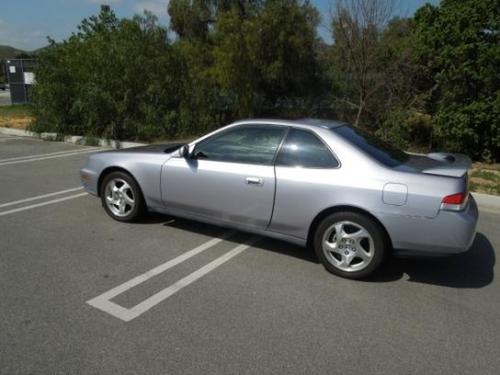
(254,181)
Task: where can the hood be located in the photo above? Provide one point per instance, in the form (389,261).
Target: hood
(158,148)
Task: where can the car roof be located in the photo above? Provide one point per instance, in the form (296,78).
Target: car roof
(305,123)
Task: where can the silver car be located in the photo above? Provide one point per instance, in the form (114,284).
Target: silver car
(322,184)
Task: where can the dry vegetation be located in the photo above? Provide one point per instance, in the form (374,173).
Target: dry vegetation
(15,116)
(485,178)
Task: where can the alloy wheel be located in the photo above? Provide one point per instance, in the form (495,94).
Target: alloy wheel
(348,246)
(119,197)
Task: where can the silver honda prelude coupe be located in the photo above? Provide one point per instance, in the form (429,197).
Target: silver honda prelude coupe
(326,184)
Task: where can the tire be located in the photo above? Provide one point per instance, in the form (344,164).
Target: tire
(360,250)
(119,189)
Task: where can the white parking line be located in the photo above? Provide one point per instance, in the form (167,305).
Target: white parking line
(41,204)
(13,203)
(46,157)
(2,139)
(48,154)
(103,303)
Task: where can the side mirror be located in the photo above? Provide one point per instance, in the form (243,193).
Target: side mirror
(184,152)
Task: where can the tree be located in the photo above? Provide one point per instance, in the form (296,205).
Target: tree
(400,105)
(426,82)
(265,59)
(190,19)
(356,28)
(458,49)
(113,78)
(283,47)
(233,68)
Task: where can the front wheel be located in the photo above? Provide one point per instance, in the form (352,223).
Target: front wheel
(350,244)
(121,197)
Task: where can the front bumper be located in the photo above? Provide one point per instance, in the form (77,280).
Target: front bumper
(89,179)
(447,233)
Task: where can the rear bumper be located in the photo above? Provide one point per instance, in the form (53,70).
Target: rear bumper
(447,233)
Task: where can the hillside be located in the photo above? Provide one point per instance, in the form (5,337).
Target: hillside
(9,52)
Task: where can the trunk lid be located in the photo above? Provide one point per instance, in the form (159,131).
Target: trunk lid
(440,164)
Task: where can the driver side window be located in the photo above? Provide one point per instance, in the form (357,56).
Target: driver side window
(243,144)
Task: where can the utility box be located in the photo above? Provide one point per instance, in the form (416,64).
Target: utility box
(21,78)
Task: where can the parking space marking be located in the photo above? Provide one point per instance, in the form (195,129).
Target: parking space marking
(41,204)
(13,203)
(26,157)
(103,303)
(45,158)
(2,139)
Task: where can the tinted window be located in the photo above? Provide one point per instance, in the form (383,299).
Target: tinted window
(373,146)
(253,144)
(304,149)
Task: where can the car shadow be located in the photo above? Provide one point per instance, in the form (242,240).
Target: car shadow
(269,244)
(472,269)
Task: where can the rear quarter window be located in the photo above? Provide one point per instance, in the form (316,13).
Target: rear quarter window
(374,147)
(304,149)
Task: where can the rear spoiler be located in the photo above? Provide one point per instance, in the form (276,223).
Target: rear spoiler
(453,165)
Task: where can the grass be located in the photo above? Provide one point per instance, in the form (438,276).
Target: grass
(15,116)
(486,175)
(15,110)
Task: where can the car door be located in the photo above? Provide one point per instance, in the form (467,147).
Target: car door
(229,177)
(307,176)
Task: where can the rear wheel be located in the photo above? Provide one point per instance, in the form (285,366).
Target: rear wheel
(121,197)
(350,244)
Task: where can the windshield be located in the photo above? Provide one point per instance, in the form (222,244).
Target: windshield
(381,151)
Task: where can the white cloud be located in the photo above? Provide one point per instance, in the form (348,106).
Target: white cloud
(37,33)
(157,7)
(107,2)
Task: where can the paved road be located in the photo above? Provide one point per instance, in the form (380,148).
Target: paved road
(269,309)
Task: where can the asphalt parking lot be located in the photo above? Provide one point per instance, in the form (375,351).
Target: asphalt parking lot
(83,294)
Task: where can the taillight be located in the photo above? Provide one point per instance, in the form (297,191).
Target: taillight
(458,198)
(454,202)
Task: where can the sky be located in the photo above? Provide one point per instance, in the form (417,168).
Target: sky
(25,24)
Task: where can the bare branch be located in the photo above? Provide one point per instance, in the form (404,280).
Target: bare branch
(356,29)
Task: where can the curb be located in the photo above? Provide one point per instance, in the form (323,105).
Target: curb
(75,139)
(490,202)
